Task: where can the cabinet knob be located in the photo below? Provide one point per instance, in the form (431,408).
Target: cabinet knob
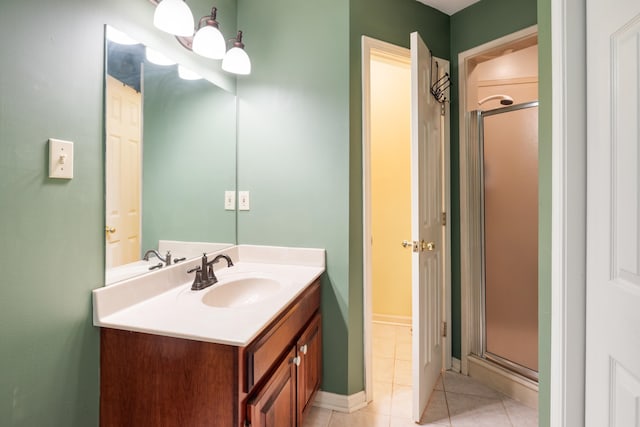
(303,349)
(296,360)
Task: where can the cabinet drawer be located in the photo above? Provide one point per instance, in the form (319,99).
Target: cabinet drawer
(265,350)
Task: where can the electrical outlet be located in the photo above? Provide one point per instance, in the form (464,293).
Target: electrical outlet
(230,200)
(243,200)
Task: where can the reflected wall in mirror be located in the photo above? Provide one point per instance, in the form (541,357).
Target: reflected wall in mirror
(170,156)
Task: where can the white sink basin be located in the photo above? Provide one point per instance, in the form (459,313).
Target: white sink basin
(241,292)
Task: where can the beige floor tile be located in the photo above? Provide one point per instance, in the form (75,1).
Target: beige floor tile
(381,403)
(403,334)
(317,417)
(458,383)
(383,330)
(358,419)
(403,349)
(519,414)
(401,401)
(467,410)
(383,369)
(407,422)
(437,411)
(402,372)
(439,385)
(384,347)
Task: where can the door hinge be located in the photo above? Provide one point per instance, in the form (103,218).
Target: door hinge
(444,329)
(443,218)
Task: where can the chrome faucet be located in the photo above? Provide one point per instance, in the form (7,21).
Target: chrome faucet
(205,276)
(166,259)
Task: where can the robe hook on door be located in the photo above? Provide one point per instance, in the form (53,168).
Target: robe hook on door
(439,87)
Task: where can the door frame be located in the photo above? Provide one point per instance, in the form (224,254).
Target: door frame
(567,290)
(403,54)
(470,215)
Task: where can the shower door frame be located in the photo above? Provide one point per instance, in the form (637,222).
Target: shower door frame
(470,238)
(483,353)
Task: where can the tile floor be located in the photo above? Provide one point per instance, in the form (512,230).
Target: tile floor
(457,401)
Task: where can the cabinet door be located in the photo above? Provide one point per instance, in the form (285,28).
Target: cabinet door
(275,403)
(310,369)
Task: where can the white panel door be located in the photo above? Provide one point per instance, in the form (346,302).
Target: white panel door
(613,214)
(426,228)
(123,173)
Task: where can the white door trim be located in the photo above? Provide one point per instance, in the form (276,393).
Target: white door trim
(568,214)
(402,54)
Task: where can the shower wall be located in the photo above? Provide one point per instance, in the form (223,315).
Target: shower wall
(513,73)
(510,181)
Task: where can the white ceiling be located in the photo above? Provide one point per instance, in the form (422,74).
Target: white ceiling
(448,6)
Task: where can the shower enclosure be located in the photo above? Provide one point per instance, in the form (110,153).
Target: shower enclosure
(506,158)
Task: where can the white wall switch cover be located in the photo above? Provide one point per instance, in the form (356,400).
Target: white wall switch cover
(243,200)
(60,159)
(230,200)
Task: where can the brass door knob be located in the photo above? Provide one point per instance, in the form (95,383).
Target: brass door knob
(431,246)
(109,229)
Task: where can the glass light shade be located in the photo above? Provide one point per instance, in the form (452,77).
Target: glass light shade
(187,74)
(158,58)
(119,37)
(174,17)
(237,61)
(209,42)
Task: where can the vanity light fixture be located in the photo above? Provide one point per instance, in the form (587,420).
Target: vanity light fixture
(208,40)
(157,58)
(171,16)
(236,60)
(119,37)
(174,17)
(187,74)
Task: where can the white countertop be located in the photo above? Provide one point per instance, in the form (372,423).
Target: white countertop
(162,302)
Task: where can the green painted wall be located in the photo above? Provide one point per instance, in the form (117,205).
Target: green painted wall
(293,151)
(52,252)
(544,211)
(189,159)
(480,23)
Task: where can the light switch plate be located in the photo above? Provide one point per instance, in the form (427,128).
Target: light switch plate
(230,200)
(60,159)
(243,200)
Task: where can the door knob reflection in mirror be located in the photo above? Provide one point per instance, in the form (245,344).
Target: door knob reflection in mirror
(108,229)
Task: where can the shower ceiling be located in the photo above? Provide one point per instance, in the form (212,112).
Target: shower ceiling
(448,6)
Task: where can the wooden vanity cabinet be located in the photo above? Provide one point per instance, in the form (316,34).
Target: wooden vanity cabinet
(152,380)
(309,371)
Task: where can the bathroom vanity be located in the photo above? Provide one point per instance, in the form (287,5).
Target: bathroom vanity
(175,357)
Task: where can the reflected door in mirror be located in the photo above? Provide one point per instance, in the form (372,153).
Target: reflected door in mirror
(123,173)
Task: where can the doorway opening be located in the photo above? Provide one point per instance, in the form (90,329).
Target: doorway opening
(498,213)
(387,159)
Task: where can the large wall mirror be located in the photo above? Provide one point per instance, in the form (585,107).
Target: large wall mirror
(170,144)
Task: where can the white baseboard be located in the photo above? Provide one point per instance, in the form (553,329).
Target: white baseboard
(455,364)
(506,382)
(340,402)
(392,319)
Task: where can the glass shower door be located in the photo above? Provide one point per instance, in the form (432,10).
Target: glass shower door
(510,216)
